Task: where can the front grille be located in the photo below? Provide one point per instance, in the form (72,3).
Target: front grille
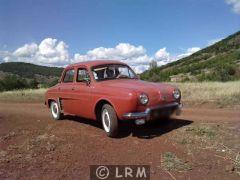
(166,98)
(161,112)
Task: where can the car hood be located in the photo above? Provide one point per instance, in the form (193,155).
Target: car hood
(155,91)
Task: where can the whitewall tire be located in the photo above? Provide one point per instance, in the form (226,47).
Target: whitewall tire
(109,120)
(55,111)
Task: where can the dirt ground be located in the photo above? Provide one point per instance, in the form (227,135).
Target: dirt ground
(200,144)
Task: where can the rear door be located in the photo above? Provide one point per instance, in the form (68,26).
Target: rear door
(66,90)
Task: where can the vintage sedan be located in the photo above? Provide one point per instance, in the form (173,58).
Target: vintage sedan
(110,91)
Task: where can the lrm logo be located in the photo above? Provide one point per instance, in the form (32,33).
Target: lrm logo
(120,172)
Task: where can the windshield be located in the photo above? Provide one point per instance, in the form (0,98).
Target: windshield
(113,71)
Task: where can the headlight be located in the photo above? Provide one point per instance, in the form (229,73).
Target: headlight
(143,98)
(176,94)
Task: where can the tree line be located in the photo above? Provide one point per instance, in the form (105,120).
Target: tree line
(13,82)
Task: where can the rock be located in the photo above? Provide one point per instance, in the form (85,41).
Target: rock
(3,153)
(229,168)
(50,147)
(42,137)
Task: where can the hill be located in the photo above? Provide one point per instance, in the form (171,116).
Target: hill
(27,70)
(17,75)
(219,62)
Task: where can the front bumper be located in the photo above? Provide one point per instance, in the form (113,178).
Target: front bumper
(147,113)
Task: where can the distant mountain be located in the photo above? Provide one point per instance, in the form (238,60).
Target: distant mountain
(41,74)
(219,62)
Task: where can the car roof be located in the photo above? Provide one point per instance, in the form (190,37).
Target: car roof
(95,63)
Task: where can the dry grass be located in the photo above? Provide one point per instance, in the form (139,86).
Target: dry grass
(224,94)
(28,95)
(205,131)
(171,162)
(237,164)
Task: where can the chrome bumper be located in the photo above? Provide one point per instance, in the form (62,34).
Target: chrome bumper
(147,113)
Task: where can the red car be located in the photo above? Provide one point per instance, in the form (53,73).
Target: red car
(110,91)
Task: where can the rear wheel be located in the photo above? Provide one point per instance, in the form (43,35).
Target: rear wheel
(55,111)
(109,120)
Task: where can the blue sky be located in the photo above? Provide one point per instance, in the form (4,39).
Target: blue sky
(172,26)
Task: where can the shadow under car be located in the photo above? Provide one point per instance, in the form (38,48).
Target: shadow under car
(149,130)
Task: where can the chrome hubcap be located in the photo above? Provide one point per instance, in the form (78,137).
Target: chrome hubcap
(54,108)
(106,120)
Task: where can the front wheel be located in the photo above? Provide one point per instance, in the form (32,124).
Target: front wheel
(109,120)
(55,111)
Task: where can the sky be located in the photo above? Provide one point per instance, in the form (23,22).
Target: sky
(61,32)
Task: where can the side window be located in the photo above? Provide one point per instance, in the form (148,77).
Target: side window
(69,76)
(123,71)
(82,75)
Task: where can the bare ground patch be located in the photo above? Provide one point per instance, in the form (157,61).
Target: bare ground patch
(219,140)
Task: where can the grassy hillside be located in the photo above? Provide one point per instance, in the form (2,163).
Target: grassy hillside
(20,75)
(219,62)
(27,70)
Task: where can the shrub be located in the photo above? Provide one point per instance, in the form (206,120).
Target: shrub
(12,82)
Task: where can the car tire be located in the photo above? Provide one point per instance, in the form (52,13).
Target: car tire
(55,111)
(109,120)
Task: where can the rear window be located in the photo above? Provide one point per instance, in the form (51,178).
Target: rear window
(69,76)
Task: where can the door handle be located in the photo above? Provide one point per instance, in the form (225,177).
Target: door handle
(73,88)
(59,88)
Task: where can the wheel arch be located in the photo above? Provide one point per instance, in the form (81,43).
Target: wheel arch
(49,101)
(98,107)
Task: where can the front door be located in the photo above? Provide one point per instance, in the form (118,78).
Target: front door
(82,103)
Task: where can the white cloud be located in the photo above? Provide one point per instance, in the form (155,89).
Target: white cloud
(162,54)
(121,51)
(213,41)
(135,56)
(79,58)
(235,5)
(162,57)
(140,68)
(52,52)
(27,50)
(48,52)
(189,52)
(4,54)
(7,59)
